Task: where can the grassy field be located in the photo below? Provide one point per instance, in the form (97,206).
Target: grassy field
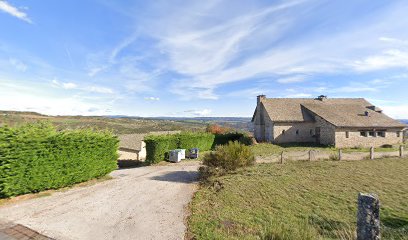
(267,149)
(117,125)
(301,200)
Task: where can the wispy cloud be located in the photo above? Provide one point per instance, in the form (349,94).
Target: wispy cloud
(85,88)
(292,79)
(199,113)
(17,64)
(152,99)
(10,9)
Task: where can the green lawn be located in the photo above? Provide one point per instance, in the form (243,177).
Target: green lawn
(267,149)
(301,200)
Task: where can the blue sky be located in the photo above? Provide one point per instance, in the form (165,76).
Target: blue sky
(199,58)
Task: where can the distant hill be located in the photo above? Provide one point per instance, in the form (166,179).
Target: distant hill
(404,121)
(121,124)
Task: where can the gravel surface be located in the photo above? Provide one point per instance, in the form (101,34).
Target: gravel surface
(139,203)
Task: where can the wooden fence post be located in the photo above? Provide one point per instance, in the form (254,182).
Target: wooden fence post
(281,160)
(310,155)
(401,151)
(368,217)
(340,154)
(372,153)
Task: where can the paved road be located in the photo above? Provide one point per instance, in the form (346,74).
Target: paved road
(139,203)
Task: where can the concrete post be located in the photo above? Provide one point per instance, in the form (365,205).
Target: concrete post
(340,154)
(281,160)
(401,151)
(368,217)
(372,153)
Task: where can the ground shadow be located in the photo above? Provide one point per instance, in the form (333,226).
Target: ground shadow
(394,222)
(125,164)
(178,176)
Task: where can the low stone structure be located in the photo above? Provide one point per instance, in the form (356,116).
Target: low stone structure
(341,122)
(368,217)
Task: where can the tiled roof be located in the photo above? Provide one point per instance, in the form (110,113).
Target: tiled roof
(341,112)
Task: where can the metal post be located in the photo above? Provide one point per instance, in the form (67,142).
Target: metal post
(368,217)
(281,160)
(340,154)
(372,153)
(401,151)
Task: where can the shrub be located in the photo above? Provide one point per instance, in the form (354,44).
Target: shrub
(35,157)
(222,139)
(230,157)
(387,146)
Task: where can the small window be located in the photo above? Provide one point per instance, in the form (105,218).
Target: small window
(371,134)
(297,132)
(283,132)
(347,134)
(381,133)
(311,131)
(363,133)
(399,134)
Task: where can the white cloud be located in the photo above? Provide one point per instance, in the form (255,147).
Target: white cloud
(17,64)
(85,88)
(69,85)
(199,113)
(8,8)
(152,99)
(391,58)
(396,111)
(292,79)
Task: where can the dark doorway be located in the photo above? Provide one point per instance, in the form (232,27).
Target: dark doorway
(317,134)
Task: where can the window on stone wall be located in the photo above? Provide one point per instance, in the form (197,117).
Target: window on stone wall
(347,134)
(283,132)
(311,131)
(399,134)
(297,132)
(381,133)
(363,133)
(371,134)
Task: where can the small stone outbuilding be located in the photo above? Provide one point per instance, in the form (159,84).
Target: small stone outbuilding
(340,122)
(132,147)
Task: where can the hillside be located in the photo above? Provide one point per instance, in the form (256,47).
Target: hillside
(122,124)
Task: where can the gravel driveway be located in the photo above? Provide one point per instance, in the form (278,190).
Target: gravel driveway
(139,203)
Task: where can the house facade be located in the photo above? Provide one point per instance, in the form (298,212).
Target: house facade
(340,122)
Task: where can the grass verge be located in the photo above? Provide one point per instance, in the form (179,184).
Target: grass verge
(300,200)
(267,149)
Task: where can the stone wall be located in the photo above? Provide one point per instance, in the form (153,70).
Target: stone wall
(327,131)
(294,132)
(356,140)
(261,123)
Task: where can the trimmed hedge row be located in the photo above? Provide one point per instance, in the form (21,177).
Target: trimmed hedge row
(36,157)
(158,146)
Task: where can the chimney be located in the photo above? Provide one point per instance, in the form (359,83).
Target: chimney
(259,99)
(322,97)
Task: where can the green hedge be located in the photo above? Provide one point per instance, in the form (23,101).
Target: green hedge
(36,157)
(222,139)
(188,140)
(158,146)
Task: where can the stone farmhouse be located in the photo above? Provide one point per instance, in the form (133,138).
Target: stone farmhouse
(340,122)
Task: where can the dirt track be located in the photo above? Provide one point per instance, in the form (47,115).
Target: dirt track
(139,203)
